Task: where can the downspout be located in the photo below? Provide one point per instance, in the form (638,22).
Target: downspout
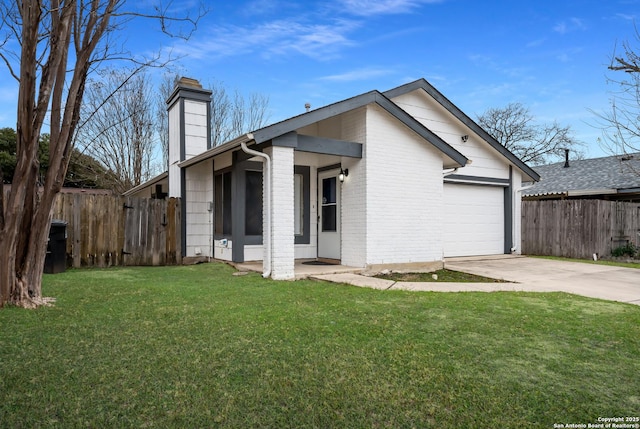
(266,265)
(513,208)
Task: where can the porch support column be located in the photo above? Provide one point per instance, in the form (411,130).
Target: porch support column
(282,212)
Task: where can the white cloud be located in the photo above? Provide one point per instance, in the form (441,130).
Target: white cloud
(626,17)
(570,25)
(569,54)
(382,7)
(493,90)
(560,28)
(259,7)
(357,75)
(270,39)
(498,66)
(536,43)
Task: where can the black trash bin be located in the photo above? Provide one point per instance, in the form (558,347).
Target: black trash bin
(56,259)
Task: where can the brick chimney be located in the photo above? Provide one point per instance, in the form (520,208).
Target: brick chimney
(189,108)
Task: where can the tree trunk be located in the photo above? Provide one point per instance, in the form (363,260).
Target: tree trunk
(24,241)
(51,82)
(22,286)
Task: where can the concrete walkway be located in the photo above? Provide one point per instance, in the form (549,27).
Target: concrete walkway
(523,274)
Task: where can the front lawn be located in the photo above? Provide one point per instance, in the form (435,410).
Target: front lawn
(198,347)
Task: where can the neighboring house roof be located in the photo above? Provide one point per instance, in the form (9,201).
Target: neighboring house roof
(6,187)
(146,184)
(462,117)
(609,175)
(280,128)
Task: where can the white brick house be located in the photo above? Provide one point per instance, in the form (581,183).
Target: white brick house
(399,178)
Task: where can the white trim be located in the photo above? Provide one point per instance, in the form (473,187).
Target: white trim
(217,150)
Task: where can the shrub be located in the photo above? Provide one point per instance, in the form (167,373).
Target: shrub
(627,250)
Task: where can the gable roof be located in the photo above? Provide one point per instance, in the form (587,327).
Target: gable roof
(272,131)
(462,117)
(607,175)
(269,132)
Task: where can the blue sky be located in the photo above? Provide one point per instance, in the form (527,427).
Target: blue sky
(551,56)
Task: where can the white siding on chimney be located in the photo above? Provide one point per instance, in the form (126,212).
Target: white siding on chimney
(199,195)
(195,127)
(174,151)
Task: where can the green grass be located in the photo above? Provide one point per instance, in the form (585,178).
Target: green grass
(591,261)
(197,347)
(443,275)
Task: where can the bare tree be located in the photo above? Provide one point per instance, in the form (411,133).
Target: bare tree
(256,112)
(234,115)
(120,132)
(629,60)
(59,42)
(620,126)
(167,84)
(515,128)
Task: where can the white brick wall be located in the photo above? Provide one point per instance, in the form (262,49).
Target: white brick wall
(403,193)
(282,214)
(354,192)
(199,188)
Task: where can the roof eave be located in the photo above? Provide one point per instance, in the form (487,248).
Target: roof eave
(217,150)
(267,133)
(146,184)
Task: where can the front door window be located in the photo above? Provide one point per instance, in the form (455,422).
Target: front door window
(329,204)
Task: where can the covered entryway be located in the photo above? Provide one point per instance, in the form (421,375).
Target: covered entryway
(473,220)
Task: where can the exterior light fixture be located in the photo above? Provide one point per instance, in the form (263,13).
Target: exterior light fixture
(343,173)
(465,138)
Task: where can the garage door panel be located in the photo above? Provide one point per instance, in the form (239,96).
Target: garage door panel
(474,220)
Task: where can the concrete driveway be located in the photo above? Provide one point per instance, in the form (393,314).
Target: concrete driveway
(522,274)
(543,275)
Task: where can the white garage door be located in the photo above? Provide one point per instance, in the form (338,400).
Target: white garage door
(474,220)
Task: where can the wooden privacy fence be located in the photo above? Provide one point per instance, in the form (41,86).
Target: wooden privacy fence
(105,230)
(578,228)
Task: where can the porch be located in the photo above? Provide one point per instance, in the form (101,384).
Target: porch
(303,268)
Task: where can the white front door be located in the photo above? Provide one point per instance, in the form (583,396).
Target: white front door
(328,215)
